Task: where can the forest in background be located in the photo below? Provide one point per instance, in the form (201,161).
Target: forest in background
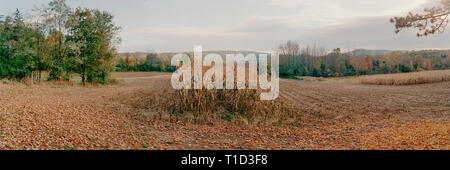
(315,61)
(296,60)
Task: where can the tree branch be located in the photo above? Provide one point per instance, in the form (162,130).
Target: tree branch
(434,20)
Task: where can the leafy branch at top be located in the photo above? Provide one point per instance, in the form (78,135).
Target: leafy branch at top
(433,21)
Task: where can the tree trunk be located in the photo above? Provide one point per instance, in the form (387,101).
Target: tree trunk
(32,78)
(83,76)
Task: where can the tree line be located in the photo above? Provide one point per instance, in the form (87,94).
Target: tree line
(148,64)
(59,40)
(315,61)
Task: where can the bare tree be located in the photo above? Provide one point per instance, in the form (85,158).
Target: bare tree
(290,49)
(434,20)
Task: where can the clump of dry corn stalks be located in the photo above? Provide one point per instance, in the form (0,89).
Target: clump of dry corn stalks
(240,106)
(207,106)
(408,78)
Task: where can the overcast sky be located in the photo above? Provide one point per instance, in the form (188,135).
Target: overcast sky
(178,25)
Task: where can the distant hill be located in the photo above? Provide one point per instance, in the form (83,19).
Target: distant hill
(366,52)
(423,53)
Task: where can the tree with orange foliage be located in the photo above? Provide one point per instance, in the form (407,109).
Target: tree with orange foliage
(427,64)
(368,66)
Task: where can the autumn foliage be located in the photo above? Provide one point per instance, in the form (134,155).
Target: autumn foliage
(299,60)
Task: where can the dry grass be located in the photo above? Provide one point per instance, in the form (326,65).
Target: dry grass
(408,78)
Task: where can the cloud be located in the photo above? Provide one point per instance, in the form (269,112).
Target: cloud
(182,38)
(282,3)
(313,13)
(331,23)
(174,25)
(349,8)
(374,33)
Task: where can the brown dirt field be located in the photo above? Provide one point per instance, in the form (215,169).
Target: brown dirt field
(338,115)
